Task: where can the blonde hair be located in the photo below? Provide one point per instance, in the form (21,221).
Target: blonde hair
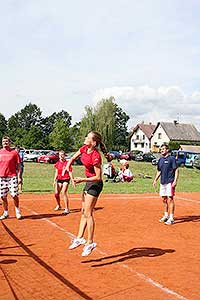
(98,139)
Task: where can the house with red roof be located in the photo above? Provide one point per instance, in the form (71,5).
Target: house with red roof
(140,138)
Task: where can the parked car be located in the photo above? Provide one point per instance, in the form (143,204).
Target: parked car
(33,155)
(181,156)
(190,157)
(196,162)
(77,161)
(51,157)
(148,157)
(115,154)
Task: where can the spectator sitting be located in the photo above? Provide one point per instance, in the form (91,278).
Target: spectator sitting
(125,174)
(109,171)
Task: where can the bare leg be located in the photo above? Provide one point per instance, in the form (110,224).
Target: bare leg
(88,214)
(16,201)
(5,203)
(165,203)
(58,188)
(83,221)
(64,194)
(171,205)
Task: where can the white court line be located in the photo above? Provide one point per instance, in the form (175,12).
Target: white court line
(188,200)
(140,275)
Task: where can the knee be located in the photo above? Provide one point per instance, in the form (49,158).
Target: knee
(164,200)
(56,196)
(87,214)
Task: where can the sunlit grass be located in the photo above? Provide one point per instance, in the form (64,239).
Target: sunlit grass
(39,178)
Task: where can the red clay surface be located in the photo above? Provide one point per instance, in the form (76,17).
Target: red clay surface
(136,256)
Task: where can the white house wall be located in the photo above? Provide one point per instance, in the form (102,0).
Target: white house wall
(141,139)
(159,137)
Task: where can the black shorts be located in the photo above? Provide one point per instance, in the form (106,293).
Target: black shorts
(62,180)
(93,188)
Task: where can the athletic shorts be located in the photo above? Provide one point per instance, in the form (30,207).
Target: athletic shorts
(62,180)
(8,184)
(167,190)
(93,188)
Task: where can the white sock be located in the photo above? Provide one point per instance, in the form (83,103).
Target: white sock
(5,212)
(166,214)
(17,210)
(171,216)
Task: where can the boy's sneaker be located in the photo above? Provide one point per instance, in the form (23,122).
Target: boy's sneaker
(77,242)
(58,207)
(88,249)
(66,211)
(4,216)
(169,222)
(163,219)
(18,216)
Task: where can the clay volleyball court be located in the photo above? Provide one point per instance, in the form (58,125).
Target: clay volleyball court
(136,256)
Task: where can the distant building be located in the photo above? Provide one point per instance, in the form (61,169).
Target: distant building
(165,132)
(140,138)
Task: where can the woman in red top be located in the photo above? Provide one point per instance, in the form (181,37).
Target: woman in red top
(61,182)
(91,159)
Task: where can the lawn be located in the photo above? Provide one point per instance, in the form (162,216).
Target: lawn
(38,178)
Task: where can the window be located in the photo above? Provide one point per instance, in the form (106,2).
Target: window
(143,137)
(142,145)
(137,137)
(135,145)
(159,136)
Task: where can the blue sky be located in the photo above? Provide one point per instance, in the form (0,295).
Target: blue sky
(69,54)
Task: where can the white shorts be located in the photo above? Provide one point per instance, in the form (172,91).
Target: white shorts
(167,190)
(8,184)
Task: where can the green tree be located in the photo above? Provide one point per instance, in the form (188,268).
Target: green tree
(60,138)
(3,126)
(34,138)
(108,119)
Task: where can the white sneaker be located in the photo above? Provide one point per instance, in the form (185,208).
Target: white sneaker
(4,216)
(77,242)
(58,207)
(163,219)
(18,216)
(88,249)
(169,222)
(66,211)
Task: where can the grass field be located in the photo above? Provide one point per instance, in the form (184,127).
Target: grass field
(38,178)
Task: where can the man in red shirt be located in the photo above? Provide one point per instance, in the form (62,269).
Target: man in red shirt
(9,176)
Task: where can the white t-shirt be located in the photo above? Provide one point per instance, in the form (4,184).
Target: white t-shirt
(127,172)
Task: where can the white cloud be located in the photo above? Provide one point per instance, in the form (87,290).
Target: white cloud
(144,103)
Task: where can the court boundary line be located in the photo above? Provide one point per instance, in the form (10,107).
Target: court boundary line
(140,275)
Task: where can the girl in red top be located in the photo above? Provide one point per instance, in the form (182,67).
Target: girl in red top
(91,159)
(61,182)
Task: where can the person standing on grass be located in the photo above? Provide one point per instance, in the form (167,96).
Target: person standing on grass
(61,182)
(9,177)
(91,159)
(168,173)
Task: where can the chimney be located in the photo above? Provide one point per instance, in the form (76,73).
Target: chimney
(175,122)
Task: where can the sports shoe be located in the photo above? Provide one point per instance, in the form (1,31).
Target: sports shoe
(66,211)
(88,249)
(4,216)
(58,207)
(18,216)
(169,222)
(77,242)
(163,219)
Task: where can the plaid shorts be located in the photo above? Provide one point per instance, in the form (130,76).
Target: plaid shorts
(8,184)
